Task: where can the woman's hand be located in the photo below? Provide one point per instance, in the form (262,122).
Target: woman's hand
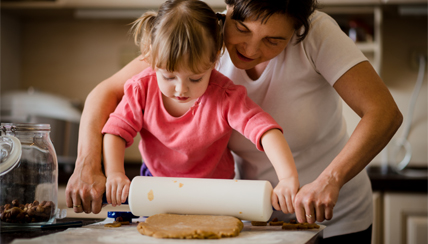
(316,200)
(284,194)
(85,188)
(117,188)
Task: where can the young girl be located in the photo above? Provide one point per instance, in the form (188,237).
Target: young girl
(185,110)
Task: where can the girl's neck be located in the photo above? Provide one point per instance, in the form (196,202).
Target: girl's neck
(176,109)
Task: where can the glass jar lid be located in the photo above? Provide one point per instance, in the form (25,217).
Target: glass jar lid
(10,153)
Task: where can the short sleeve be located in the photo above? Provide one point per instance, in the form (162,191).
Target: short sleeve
(126,121)
(330,50)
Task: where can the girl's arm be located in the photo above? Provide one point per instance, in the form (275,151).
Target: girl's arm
(279,154)
(363,90)
(117,185)
(87,183)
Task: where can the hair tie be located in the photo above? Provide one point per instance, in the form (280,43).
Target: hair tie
(221,17)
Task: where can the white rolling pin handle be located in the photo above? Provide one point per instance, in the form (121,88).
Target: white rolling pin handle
(244,199)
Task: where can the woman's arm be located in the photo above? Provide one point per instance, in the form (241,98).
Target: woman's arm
(364,91)
(279,154)
(87,183)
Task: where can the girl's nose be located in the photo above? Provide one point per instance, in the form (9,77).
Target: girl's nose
(181,87)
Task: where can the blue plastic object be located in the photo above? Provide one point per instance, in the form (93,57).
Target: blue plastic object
(126,216)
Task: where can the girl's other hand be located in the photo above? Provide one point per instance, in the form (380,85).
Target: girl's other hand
(284,193)
(117,188)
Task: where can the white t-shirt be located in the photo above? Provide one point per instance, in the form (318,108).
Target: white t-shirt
(296,89)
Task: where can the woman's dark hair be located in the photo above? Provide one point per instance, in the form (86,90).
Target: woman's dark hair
(298,10)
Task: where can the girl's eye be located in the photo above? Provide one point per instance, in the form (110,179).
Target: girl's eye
(169,78)
(197,80)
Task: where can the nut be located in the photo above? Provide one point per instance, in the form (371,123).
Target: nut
(35,203)
(14,211)
(31,212)
(20,216)
(40,209)
(7,206)
(48,210)
(15,203)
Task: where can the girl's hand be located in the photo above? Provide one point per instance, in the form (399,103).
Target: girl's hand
(315,201)
(117,188)
(284,193)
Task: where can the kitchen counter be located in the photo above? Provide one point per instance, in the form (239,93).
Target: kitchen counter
(8,235)
(410,181)
(95,232)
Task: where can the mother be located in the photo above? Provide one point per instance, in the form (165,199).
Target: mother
(297,64)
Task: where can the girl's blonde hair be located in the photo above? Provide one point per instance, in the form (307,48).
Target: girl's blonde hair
(183,34)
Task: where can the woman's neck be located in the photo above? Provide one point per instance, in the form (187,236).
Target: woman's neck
(257,71)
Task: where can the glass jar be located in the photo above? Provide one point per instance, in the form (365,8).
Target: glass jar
(28,175)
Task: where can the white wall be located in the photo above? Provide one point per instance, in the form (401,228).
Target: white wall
(10,54)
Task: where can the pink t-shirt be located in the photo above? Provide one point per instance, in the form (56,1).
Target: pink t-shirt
(193,145)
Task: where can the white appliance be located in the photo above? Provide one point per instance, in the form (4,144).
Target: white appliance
(39,107)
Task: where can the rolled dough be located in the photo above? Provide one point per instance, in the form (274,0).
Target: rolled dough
(190,226)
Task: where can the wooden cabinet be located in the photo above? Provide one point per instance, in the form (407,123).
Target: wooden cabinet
(405,218)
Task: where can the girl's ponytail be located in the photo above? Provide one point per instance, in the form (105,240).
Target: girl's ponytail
(142,31)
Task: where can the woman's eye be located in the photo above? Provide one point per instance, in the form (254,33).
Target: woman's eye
(273,42)
(241,28)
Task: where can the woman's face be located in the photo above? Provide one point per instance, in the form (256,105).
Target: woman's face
(250,43)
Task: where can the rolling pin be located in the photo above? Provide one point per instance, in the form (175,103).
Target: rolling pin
(244,199)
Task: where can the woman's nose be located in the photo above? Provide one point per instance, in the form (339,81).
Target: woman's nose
(251,48)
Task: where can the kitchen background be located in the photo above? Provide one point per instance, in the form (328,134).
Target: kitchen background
(66,47)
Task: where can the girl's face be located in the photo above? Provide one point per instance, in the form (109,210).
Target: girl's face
(182,86)
(250,43)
